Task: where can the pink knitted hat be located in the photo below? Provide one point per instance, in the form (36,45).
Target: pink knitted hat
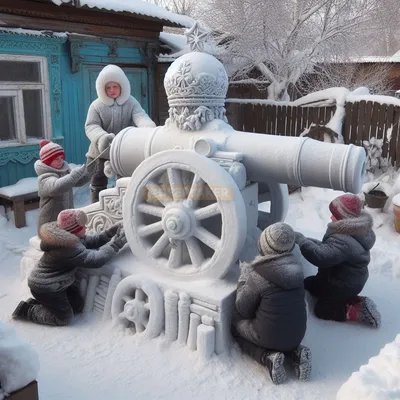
(72,220)
(346,206)
(49,151)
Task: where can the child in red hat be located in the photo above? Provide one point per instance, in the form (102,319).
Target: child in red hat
(56,180)
(66,247)
(342,259)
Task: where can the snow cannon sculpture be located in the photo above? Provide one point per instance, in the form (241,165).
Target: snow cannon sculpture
(188,198)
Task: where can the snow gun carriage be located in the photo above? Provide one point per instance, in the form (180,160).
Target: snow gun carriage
(188,197)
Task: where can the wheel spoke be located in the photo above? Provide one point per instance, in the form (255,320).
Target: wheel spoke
(139,327)
(175,256)
(159,246)
(207,237)
(147,230)
(176,184)
(150,209)
(147,306)
(195,190)
(126,298)
(157,192)
(140,294)
(195,252)
(207,212)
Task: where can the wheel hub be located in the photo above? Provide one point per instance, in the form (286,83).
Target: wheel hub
(176,222)
(135,311)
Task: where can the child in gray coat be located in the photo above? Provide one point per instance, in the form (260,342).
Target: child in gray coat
(114,110)
(342,259)
(56,181)
(271,311)
(66,248)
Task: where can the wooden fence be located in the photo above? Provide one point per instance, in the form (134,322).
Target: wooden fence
(362,121)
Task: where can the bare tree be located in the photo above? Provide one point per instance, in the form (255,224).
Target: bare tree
(277,43)
(184,7)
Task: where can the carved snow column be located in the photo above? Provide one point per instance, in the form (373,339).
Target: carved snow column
(171,315)
(184,317)
(114,281)
(91,293)
(206,337)
(195,321)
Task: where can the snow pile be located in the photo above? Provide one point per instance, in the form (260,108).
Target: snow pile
(378,380)
(375,161)
(136,7)
(19,363)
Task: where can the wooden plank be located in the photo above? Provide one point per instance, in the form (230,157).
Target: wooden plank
(354,123)
(374,120)
(273,120)
(315,115)
(298,121)
(362,132)
(380,134)
(291,129)
(280,121)
(368,119)
(396,140)
(321,115)
(347,122)
(305,118)
(388,125)
(392,142)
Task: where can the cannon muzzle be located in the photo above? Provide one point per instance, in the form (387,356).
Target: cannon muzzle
(292,160)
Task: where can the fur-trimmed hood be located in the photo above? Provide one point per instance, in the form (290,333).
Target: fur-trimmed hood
(41,169)
(113,73)
(52,237)
(359,228)
(283,270)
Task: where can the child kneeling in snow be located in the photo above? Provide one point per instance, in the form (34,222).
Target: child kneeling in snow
(342,259)
(66,248)
(271,310)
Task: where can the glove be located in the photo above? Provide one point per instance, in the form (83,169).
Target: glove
(113,230)
(299,238)
(78,172)
(105,141)
(118,242)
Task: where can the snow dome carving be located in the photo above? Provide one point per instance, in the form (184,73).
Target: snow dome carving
(196,85)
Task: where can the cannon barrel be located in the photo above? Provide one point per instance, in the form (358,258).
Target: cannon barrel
(291,160)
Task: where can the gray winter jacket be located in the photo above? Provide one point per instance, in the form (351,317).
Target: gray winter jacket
(107,115)
(64,253)
(55,189)
(272,296)
(343,255)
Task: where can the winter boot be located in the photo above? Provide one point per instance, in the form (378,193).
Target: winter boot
(301,360)
(21,312)
(274,360)
(363,310)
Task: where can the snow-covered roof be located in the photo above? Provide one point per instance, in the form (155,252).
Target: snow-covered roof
(31,32)
(173,40)
(137,7)
(373,59)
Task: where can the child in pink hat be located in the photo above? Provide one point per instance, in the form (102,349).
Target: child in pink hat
(56,181)
(342,259)
(66,248)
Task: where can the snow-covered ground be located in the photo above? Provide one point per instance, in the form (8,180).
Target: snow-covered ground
(90,360)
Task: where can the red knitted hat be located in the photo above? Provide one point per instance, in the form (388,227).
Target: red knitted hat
(49,151)
(72,220)
(346,206)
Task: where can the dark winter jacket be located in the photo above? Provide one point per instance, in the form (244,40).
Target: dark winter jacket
(64,253)
(55,189)
(272,296)
(343,255)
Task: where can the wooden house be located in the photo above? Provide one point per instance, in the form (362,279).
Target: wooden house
(50,56)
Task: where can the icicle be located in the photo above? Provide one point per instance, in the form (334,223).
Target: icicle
(184,313)
(171,315)
(90,293)
(192,337)
(205,340)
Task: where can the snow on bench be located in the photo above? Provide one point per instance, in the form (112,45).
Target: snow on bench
(22,196)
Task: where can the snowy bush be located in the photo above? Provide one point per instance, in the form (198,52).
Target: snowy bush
(375,161)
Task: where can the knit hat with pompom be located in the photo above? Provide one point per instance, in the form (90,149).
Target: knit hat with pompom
(346,206)
(277,238)
(72,220)
(49,151)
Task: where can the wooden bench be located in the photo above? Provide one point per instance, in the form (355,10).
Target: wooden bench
(29,392)
(19,204)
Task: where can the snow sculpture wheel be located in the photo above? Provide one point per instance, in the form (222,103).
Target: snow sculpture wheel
(184,217)
(138,303)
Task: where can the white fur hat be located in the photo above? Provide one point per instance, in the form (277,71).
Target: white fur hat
(112,73)
(277,238)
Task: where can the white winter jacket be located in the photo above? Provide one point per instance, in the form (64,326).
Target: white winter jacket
(107,115)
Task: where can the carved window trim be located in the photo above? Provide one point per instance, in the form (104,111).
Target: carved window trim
(15,89)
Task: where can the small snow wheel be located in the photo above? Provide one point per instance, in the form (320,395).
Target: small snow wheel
(138,304)
(184,215)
